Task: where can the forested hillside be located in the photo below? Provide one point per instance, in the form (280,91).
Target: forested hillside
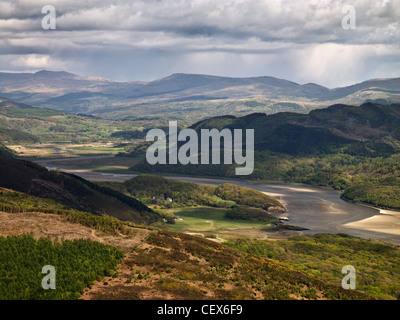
(352,148)
(24,124)
(156,189)
(72,191)
(23,257)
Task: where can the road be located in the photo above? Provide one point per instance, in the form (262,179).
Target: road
(317,209)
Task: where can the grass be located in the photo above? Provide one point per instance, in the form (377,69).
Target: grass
(209,221)
(64,149)
(85,149)
(106,164)
(323,255)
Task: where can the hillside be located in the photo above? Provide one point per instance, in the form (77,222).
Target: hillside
(152,189)
(367,130)
(72,191)
(6,152)
(352,148)
(323,255)
(156,264)
(221,212)
(369,126)
(23,124)
(14,109)
(184,96)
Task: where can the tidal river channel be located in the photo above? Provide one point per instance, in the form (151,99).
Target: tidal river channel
(316,209)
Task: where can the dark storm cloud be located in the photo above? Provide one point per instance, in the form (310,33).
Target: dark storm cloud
(126,40)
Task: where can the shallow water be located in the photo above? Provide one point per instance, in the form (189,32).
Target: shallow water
(317,209)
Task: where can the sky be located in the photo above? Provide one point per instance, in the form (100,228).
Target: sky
(301,41)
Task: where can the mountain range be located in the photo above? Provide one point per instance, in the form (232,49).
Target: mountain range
(185,96)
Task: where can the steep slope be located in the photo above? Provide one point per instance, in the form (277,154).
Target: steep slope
(324,130)
(369,130)
(6,152)
(72,191)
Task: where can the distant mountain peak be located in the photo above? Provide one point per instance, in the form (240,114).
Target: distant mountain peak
(54,74)
(185,94)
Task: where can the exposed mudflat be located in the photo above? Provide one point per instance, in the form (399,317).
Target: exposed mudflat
(317,209)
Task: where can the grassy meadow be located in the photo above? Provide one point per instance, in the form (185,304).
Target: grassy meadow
(213,223)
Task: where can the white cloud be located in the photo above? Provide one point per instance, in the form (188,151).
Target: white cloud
(32,62)
(300,40)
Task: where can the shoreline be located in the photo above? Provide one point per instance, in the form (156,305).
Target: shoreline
(368,205)
(319,209)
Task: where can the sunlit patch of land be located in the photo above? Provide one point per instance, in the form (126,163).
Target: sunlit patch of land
(93,163)
(60,150)
(212,223)
(385,222)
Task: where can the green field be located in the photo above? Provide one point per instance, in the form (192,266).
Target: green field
(225,211)
(211,222)
(64,150)
(105,164)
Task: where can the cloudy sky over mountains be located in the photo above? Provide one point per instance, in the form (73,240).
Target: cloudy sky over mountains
(302,41)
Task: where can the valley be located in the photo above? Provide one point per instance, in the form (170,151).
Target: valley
(325,184)
(314,208)
(160,264)
(200,157)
